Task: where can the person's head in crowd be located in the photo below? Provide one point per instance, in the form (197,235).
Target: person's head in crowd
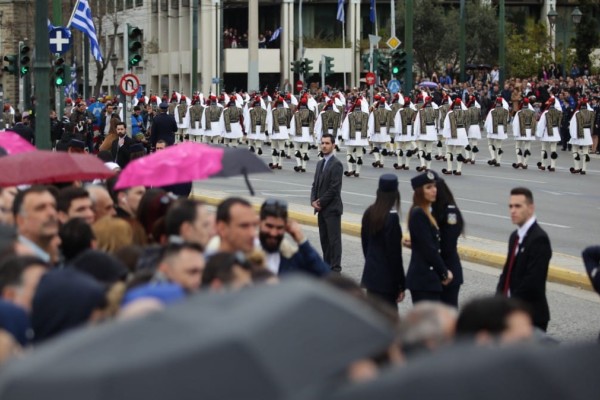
(76,146)
(136,151)
(112,234)
(153,206)
(128,200)
(105,156)
(190,220)
(66,299)
(387,198)
(182,264)
(101,266)
(19,277)
(495,319)
(227,271)
(76,236)
(273,222)
(102,204)
(161,145)
(121,129)
(74,202)
(36,218)
(237,224)
(7,197)
(521,205)
(427,327)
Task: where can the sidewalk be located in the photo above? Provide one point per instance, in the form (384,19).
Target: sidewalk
(564,269)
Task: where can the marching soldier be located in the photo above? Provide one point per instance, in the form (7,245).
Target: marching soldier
(581,127)
(182,118)
(426,136)
(496,126)
(396,106)
(548,131)
(195,114)
(355,133)
(303,127)
(442,112)
(405,137)
(211,128)
(380,123)
(328,121)
(455,133)
(8,116)
(474,131)
(232,123)
(255,121)
(279,132)
(173,104)
(524,125)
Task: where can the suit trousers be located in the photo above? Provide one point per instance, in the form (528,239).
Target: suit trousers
(330,233)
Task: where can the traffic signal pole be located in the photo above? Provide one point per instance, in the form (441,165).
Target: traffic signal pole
(20,79)
(42,73)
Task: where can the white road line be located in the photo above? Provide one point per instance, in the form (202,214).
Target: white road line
(507,179)
(505,217)
(477,201)
(293,190)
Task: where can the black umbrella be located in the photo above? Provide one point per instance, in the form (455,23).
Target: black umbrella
(528,373)
(271,342)
(241,162)
(484,66)
(470,66)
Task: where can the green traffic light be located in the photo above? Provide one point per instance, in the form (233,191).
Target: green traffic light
(59,81)
(395,70)
(24,70)
(135,60)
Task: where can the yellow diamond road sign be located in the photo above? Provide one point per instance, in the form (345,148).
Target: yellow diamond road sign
(393,42)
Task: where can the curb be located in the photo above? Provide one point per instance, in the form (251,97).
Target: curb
(467,253)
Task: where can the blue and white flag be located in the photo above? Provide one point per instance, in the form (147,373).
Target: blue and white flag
(341,16)
(372,12)
(276,34)
(50,26)
(82,21)
(71,88)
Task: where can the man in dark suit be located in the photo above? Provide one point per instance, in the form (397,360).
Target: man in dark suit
(164,127)
(326,199)
(529,252)
(120,147)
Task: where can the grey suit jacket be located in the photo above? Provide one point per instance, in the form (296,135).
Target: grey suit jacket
(327,187)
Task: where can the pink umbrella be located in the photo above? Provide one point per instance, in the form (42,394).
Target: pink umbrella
(13,143)
(185,162)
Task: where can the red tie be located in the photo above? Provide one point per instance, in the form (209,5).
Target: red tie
(511,263)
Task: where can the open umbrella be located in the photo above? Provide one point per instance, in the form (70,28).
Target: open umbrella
(42,166)
(188,162)
(428,84)
(284,341)
(13,143)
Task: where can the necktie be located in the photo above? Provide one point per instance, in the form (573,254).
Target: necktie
(324,164)
(511,263)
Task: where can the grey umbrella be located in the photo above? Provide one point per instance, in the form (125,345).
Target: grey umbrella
(273,342)
(241,162)
(528,373)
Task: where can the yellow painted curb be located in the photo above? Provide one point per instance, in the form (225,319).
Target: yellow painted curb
(467,253)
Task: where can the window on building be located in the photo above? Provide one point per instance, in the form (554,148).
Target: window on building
(139,3)
(119,5)
(175,4)
(119,48)
(128,4)
(164,5)
(154,6)
(110,7)
(185,3)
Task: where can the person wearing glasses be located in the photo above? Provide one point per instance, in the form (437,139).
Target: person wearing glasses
(282,256)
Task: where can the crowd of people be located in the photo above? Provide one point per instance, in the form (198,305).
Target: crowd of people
(232,39)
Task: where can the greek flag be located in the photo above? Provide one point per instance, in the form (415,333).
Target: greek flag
(372,12)
(341,16)
(71,88)
(50,26)
(276,34)
(82,21)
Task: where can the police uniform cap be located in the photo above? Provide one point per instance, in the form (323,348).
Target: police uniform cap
(423,179)
(163,106)
(77,144)
(388,183)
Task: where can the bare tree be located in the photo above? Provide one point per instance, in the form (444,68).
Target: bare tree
(105,18)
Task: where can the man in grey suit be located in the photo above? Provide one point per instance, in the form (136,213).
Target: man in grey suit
(326,199)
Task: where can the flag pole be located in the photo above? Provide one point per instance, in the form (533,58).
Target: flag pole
(72,14)
(344,47)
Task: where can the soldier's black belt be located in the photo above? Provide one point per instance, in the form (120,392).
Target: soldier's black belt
(460,126)
(429,124)
(305,125)
(233,121)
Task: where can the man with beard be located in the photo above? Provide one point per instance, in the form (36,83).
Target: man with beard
(120,148)
(283,256)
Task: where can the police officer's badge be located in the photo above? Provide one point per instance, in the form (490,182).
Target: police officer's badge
(430,176)
(452,219)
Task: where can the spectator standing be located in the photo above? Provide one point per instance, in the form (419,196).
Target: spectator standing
(164,127)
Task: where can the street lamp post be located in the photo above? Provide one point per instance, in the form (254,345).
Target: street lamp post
(576,16)
(113,62)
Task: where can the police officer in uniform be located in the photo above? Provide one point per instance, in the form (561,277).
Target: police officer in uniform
(355,134)
(524,125)
(581,127)
(496,126)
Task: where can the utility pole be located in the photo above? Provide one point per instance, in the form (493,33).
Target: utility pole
(42,73)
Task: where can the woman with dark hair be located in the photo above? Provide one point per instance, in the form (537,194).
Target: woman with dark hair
(427,273)
(153,207)
(381,236)
(452,225)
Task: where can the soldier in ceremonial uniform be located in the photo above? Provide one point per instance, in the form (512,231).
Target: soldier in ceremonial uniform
(455,133)
(232,121)
(405,137)
(548,131)
(173,104)
(581,127)
(474,131)
(8,116)
(182,118)
(255,121)
(195,115)
(355,134)
(279,131)
(496,126)
(303,129)
(328,121)
(426,133)
(211,128)
(395,106)
(524,125)
(380,123)
(442,112)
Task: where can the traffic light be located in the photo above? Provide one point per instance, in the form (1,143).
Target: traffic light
(296,66)
(60,72)
(328,66)
(12,64)
(383,66)
(24,59)
(398,62)
(366,62)
(134,43)
(307,66)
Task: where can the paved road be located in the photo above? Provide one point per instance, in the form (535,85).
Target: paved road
(567,205)
(575,313)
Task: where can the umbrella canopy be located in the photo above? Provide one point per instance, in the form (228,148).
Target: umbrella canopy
(428,84)
(42,166)
(520,372)
(188,162)
(286,341)
(13,143)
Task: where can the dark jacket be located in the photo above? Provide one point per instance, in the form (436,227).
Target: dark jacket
(529,272)
(591,260)
(450,224)
(121,154)
(327,187)
(304,259)
(163,128)
(24,131)
(384,270)
(426,269)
